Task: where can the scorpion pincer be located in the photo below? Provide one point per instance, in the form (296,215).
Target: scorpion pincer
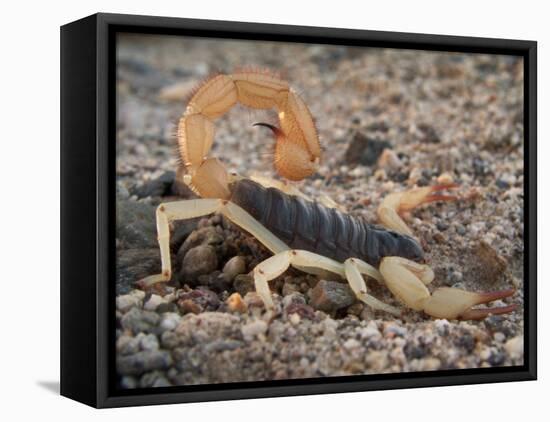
(312,236)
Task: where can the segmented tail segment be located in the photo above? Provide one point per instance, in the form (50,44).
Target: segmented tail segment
(297,149)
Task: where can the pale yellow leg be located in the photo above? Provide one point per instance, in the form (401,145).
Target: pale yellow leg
(170,211)
(182,210)
(351,270)
(359,287)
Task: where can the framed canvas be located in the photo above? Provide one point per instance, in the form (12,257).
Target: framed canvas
(253,210)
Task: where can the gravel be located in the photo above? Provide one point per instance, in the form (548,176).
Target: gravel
(388,120)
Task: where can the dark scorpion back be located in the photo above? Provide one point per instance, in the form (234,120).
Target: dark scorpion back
(303,224)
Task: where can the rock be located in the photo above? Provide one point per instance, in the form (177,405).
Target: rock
(235,303)
(491,264)
(481,167)
(127,345)
(217,346)
(136,225)
(158,187)
(205,236)
(295,303)
(392,330)
(290,287)
(351,344)
(371,332)
(301,309)
(442,225)
(137,321)
(514,347)
(133,265)
(121,192)
(144,361)
(149,342)
(499,337)
(167,308)
(125,302)
(377,360)
(295,318)
(154,379)
(187,306)
(153,303)
(442,326)
(182,230)
(216,281)
(243,284)
(198,261)
(234,267)
(128,382)
(428,134)
(169,321)
(445,179)
(329,296)
(364,150)
(356,309)
(198,300)
(460,230)
(496,358)
(390,161)
(502,184)
(253,329)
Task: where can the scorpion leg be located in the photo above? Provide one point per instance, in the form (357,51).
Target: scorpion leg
(407,279)
(171,211)
(396,204)
(351,270)
(182,210)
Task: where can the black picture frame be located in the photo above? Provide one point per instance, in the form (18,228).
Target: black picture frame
(87,208)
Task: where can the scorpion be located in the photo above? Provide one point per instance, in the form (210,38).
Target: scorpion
(313,236)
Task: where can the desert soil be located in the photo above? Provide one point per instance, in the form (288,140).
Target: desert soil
(388,120)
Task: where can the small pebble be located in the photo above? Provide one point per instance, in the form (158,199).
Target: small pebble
(235,303)
(153,303)
(295,319)
(243,284)
(499,337)
(234,267)
(149,342)
(445,179)
(199,260)
(169,321)
(514,347)
(253,329)
(351,344)
(125,302)
(330,296)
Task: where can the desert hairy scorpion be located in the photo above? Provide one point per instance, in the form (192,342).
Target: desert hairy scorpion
(312,236)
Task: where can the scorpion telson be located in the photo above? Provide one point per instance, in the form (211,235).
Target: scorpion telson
(312,236)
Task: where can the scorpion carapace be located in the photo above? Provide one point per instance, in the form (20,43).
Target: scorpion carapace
(299,232)
(311,226)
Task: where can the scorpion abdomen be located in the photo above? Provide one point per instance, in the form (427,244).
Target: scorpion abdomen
(303,224)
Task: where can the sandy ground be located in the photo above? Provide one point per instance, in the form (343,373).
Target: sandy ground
(460,114)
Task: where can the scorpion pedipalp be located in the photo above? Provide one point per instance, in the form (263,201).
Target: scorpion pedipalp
(405,280)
